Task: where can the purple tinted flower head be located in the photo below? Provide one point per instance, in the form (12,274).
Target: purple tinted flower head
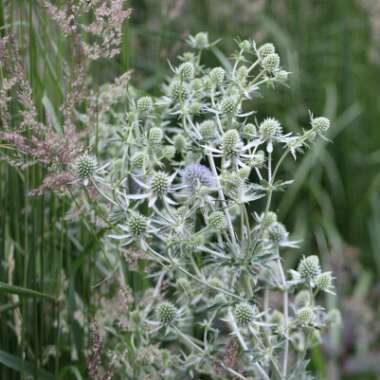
(197,174)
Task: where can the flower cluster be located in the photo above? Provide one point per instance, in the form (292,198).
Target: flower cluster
(190,168)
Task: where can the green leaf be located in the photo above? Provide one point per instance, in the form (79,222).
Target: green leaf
(23,291)
(22,366)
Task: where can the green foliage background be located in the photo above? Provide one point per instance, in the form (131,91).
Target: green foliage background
(332,50)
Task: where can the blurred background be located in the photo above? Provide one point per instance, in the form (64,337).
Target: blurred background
(332,49)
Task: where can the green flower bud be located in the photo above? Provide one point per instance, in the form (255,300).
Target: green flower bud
(216,220)
(160,182)
(268,219)
(281,76)
(230,140)
(167,313)
(277,233)
(309,268)
(179,143)
(155,136)
(242,73)
(186,71)
(270,128)
(320,124)
(177,90)
(196,84)
(324,281)
(265,50)
(207,85)
(145,104)
(208,130)
(138,160)
(229,106)
(258,159)
(271,62)
(168,152)
(137,225)
(217,75)
(86,166)
(245,45)
(195,108)
(201,41)
(244,314)
(305,315)
(277,318)
(188,56)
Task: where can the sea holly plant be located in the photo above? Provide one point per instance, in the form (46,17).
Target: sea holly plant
(189,190)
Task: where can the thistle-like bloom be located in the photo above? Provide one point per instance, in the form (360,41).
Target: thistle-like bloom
(136,228)
(269,129)
(305,315)
(195,175)
(324,282)
(86,166)
(217,220)
(145,104)
(157,187)
(266,50)
(309,268)
(320,124)
(167,313)
(244,314)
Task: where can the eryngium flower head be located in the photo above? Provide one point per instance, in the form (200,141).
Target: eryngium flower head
(201,41)
(168,152)
(86,166)
(138,160)
(167,313)
(207,129)
(281,76)
(229,106)
(270,128)
(179,142)
(230,140)
(244,314)
(177,90)
(145,104)
(137,225)
(216,220)
(320,124)
(277,319)
(217,75)
(277,233)
(186,71)
(266,50)
(271,62)
(305,315)
(160,182)
(249,131)
(155,136)
(266,219)
(324,281)
(309,268)
(242,73)
(196,174)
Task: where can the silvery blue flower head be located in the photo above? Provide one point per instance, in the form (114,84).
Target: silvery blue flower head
(194,175)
